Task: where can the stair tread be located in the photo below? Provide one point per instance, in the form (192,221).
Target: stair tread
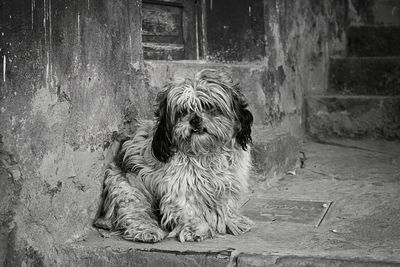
(373,40)
(341,96)
(365,76)
(372,58)
(356,116)
(375,26)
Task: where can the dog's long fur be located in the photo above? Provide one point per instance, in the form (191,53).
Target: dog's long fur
(185,172)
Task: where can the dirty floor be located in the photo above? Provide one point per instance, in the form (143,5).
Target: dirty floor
(361,180)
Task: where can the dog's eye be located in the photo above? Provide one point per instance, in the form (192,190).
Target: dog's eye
(181,113)
(212,109)
(207,107)
(216,111)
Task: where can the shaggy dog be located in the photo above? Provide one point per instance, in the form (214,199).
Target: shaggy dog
(184,174)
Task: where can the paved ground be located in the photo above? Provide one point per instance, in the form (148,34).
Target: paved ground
(361,228)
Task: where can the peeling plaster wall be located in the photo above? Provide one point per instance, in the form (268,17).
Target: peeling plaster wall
(70,76)
(300,38)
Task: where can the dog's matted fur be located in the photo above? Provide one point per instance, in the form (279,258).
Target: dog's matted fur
(184,173)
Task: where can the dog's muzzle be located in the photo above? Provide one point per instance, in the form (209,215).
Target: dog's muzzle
(197,125)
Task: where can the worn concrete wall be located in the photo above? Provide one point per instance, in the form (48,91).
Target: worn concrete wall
(70,76)
(300,38)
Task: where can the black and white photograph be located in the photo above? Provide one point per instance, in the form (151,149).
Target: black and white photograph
(204,133)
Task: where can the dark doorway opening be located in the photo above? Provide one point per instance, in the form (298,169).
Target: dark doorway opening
(217,30)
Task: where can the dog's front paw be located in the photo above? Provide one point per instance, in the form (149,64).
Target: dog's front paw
(150,234)
(103,223)
(238,224)
(195,232)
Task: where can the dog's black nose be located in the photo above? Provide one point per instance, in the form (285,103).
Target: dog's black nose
(195,122)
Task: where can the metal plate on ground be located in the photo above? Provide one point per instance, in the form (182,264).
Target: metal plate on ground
(286,210)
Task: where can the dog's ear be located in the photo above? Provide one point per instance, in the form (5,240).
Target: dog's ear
(242,114)
(162,139)
(245,119)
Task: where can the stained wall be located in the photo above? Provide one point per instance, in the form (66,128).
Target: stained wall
(71,75)
(301,36)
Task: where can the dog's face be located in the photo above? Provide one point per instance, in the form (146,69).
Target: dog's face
(196,117)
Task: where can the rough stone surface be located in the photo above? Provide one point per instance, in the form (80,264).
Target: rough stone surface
(79,255)
(365,76)
(72,77)
(10,189)
(353,116)
(300,38)
(369,41)
(270,261)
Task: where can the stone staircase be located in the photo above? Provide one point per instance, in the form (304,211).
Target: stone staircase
(363,96)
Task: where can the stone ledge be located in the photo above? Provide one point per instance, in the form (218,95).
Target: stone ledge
(367,41)
(273,260)
(353,116)
(99,257)
(365,76)
(107,254)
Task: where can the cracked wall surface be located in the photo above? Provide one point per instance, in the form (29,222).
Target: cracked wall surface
(300,38)
(72,73)
(71,76)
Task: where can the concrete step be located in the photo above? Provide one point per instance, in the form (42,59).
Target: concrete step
(369,41)
(117,254)
(365,76)
(354,116)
